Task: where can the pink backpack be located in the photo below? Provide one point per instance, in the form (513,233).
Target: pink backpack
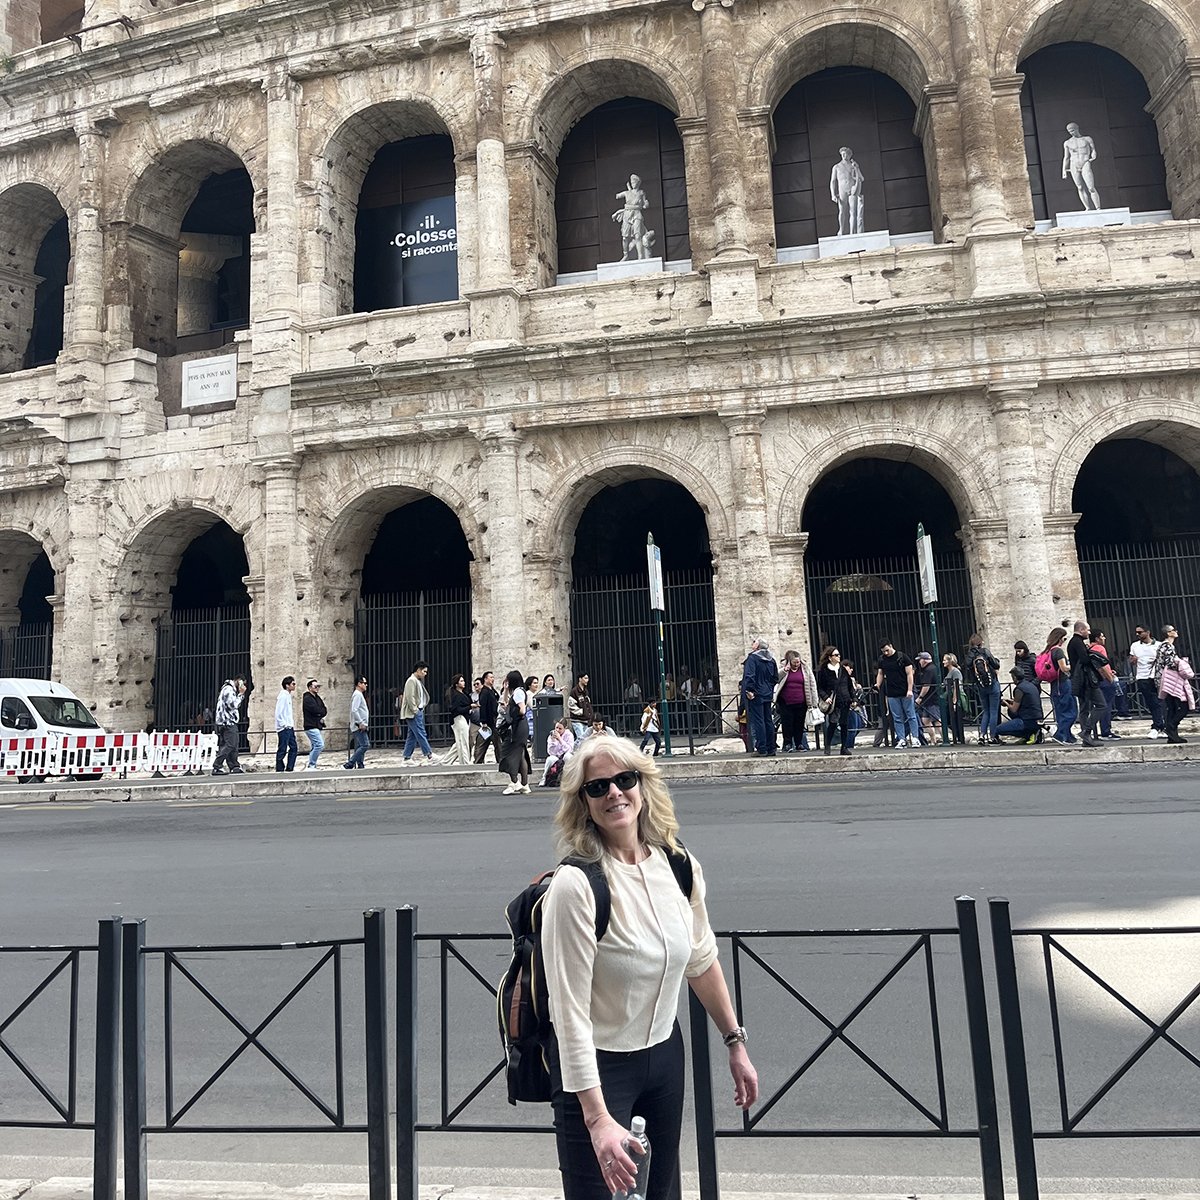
(1044,667)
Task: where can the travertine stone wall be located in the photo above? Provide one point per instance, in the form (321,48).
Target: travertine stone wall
(995,359)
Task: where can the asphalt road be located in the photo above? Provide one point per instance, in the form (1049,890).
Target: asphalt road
(1095,847)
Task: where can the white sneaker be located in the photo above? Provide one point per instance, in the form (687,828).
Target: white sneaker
(902,744)
(524,790)
(511,790)
(1155,733)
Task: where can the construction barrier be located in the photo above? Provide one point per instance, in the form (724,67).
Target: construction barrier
(23,757)
(94,755)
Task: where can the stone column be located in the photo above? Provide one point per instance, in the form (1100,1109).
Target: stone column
(495,312)
(1010,134)
(757,589)
(87,658)
(997,255)
(985,544)
(277,614)
(754,125)
(791,595)
(1031,608)
(87,245)
(200,262)
(733,284)
(283,185)
(1175,107)
(503,577)
(1063,557)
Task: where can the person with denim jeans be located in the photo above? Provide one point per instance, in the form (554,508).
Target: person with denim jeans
(1141,659)
(982,670)
(412,710)
(285,727)
(894,679)
(359,719)
(1065,708)
(759,677)
(313,710)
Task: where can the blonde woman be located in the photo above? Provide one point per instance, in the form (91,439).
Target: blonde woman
(616,1050)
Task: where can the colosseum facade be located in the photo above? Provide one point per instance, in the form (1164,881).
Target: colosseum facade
(320,351)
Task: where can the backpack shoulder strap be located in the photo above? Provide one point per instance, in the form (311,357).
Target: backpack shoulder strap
(595,876)
(681,867)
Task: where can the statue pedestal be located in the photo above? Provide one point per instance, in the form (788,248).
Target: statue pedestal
(853,243)
(1091,217)
(623,270)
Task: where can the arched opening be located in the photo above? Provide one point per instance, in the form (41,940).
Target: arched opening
(190,220)
(35,256)
(205,637)
(880,186)
(26,618)
(1138,539)
(412,610)
(1103,95)
(396,161)
(861,567)
(60,19)
(603,218)
(614,632)
(406,230)
(214,264)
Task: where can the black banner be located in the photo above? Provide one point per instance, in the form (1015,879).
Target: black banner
(408,253)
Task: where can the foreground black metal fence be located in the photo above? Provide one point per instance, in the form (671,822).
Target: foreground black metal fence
(945,1039)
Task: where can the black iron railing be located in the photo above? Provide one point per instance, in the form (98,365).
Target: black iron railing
(177,972)
(27,650)
(105,1118)
(1055,956)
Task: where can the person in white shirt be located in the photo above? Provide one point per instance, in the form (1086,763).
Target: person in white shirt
(616,1050)
(360,718)
(1141,659)
(285,726)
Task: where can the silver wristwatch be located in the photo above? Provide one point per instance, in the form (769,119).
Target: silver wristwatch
(734,1036)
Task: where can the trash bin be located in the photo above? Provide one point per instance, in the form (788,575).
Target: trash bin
(547,709)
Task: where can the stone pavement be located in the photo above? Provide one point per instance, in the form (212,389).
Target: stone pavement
(388,773)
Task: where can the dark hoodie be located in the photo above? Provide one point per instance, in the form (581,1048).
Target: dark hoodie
(760,674)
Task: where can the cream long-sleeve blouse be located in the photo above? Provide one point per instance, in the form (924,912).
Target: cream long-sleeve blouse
(623,992)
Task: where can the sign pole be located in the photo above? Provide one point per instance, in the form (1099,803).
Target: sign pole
(929,595)
(658,604)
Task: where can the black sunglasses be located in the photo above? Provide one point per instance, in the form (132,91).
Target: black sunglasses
(623,779)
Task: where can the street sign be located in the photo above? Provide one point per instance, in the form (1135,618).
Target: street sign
(658,597)
(925,565)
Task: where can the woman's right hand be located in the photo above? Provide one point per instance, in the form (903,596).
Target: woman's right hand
(616,1164)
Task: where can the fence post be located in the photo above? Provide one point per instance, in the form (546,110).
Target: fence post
(406,1053)
(379,1169)
(706,1137)
(133,1055)
(981,1049)
(108,1062)
(1014,1049)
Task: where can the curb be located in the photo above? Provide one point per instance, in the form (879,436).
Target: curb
(266,784)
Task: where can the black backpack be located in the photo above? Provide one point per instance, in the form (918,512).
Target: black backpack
(522,1001)
(981,668)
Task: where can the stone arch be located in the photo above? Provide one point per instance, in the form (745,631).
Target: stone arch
(588,80)
(341,166)
(28,212)
(150,214)
(565,502)
(359,508)
(970,489)
(1155,35)
(875,40)
(1174,424)
(19,549)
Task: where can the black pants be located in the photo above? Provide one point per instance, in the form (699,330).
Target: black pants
(643,1083)
(1176,710)
(838,717)
(954,719)
(791,717)
(227,747)
(1091,708)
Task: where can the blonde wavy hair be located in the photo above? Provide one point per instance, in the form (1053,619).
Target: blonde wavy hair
(578,835)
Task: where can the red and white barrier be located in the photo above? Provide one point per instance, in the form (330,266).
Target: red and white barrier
(93,755)
(22,757)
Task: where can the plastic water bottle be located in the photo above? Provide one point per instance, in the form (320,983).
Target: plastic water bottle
(637,1146)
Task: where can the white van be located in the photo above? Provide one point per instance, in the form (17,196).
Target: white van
(41,707)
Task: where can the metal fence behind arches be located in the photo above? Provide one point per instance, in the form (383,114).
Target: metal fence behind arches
(197,650)
(1142,583)
(27,651)
(857,603)
(613,639)
(395,630)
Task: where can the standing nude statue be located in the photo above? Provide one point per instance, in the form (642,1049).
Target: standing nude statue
(846,191)
(1079,153)
(636,239)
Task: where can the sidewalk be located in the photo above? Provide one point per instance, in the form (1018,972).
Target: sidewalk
(388,773)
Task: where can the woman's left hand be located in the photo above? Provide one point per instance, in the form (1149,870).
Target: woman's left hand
(745,1077)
